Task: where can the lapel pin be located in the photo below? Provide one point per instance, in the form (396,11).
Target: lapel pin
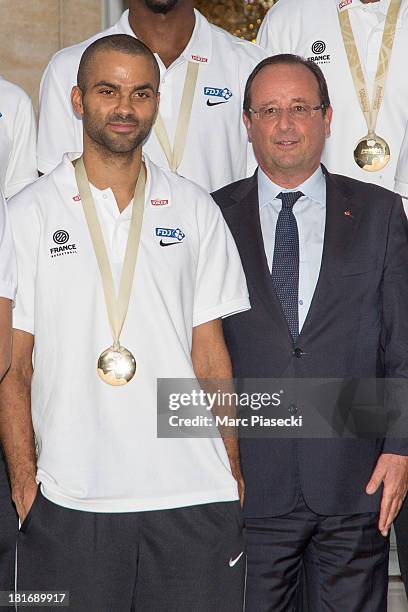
(348,213)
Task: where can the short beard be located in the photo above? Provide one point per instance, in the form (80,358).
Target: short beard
(161,6)
(116,145)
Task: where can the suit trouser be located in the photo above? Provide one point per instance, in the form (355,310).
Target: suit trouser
(401,532)
(350,559)
(8,531)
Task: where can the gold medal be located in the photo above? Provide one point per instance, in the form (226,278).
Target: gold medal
(372,153)
(116,366)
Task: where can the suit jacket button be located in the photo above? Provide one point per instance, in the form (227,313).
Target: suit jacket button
(292,409)
(298,352)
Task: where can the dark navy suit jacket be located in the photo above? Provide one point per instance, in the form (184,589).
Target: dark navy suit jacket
(357,326)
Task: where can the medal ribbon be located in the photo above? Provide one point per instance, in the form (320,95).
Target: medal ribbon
(116,307)
(370,111)
(175,156)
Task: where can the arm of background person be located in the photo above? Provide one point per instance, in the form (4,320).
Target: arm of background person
(212,366)
(16,428)
(22,165)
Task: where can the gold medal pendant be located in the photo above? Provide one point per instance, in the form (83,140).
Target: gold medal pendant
(372,153)
(116,366)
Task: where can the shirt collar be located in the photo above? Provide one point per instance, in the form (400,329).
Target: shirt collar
(313,188)
(381,6)
(199,48)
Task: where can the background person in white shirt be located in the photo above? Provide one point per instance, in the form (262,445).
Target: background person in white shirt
(311,29)
(18,167)
(217,149)
(123,519)
(18,134)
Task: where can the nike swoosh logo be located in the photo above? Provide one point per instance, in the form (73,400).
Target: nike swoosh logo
(233,562)
(215,103)
(169,243)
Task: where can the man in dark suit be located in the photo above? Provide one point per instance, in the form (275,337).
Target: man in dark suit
(326,260)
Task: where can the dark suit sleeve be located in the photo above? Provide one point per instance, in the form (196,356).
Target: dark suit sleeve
(395,330)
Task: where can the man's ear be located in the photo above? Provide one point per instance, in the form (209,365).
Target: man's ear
(76,100)
(327,121)
(247,122)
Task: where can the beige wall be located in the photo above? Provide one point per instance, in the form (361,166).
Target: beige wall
(32,30)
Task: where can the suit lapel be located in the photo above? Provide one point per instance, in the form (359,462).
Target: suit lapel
(246,226)
(343,215)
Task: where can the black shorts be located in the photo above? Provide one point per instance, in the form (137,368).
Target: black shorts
(188,559)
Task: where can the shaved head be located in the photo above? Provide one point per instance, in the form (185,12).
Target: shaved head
(123,43)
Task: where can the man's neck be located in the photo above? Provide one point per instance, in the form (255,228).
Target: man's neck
(118,172)
(167,35)
(287,180)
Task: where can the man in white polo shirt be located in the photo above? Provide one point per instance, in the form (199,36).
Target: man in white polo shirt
(18,162)
(215,150)
(123,520)
(313,30)
(8,279)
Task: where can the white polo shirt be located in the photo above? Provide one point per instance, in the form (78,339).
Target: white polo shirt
(98,449)
(18,162)
(8,269)
(311,29)
(217,150)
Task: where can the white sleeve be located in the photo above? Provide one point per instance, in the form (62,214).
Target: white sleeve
(279,30)
(267,38)
(57,122)
(221,288)
(401,173)
(22,166)
(26,232)
(8,270)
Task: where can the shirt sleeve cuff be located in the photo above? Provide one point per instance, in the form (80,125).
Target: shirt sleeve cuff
(7,290)
(23,324)
(221,311)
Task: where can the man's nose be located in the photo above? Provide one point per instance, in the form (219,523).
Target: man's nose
(124,105)
(285,119)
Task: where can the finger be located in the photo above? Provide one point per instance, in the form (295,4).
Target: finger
(386,503)
(375,481)
(394,509)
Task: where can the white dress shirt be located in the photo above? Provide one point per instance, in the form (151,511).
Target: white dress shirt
(310,214)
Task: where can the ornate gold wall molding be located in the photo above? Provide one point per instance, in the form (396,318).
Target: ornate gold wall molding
(240,17)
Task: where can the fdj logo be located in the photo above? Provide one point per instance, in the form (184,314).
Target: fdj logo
(166,232)
(218,92)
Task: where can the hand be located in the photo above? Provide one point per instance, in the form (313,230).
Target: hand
(392,470)
(23,498)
